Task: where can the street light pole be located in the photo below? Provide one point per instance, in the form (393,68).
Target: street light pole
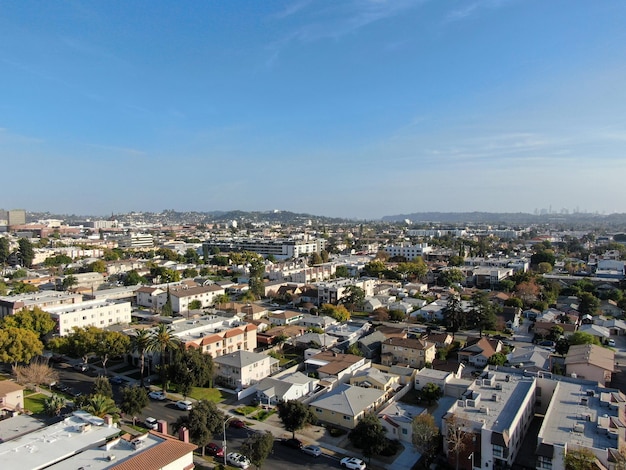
(224,435)
(471,456)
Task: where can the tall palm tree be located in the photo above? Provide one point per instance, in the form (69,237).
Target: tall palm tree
(140,343)
(100,405)
(162,339)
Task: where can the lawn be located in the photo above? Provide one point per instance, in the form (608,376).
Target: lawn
(246,410)
(209,394)
(35,403)
(264,414)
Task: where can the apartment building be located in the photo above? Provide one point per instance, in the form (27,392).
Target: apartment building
(99,313)
(410,351)
(9,305)
(332,292)
(221,340)
(243,368)
(279,248)
(183,295)
(491,418)
(407,250)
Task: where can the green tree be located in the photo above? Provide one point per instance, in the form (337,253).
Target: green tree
(258,447)
(498,359)
(110,344)
(18,345)
(140,343)
(163,340)
(315,259)
(580,459)
(26,252)
(342,271)
(23,288)
(134,400)
(203,421)
(257,271)
(132,278)
(425,436)
(190,273)
(195,305)
(338,312)
(97,266)
(221,299)
(456,260)
(81,342)
(191,256)
(369,435)
(167,309)
(57,260)
(374,268)
(5,251)
(589,304)
(354,297)
(450,276)
(69,281)
(53,405)
(100,405)
(582,337)
(102,386)
(453,314)
(294,415)
(33,319)
(354,350)
(431,393)
(482,312)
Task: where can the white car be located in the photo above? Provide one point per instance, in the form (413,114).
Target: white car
(237,460)
(157,395)
(352,463)
(185,405)
(611,342)
(315,451)
(151,423)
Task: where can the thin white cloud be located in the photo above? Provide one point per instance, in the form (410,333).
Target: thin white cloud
(290,9)
(474,8)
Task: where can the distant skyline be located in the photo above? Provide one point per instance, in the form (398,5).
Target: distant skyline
(356,108)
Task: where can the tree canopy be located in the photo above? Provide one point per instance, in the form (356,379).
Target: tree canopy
(369,435)
(294,415)
(18,345)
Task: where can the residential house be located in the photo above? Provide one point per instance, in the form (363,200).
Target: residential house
(315,340)
(375,378)
(285,317)
(432,311)
(346,405)
(598,331)
(271,335)
(477,351)
(590,362)
(11,397)
(397,418)
(610,309)
(544,328)
(440,338)
(437,377)
(410,351)
(335,366)
(509,317)
(273,390)
(405,374)
(371,344)
(244,368)
(530,358)
(350,331)
(317,321)
(616,327)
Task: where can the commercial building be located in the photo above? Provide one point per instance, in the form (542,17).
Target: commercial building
(408,251)
(279,248)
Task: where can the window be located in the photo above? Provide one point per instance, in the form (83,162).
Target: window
(319,410)
(405,431)
(544,462)
(347,418)
(498,451)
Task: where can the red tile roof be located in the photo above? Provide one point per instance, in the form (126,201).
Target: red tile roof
(157,456)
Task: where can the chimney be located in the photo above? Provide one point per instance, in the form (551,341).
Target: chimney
(162,426)
(108,421)
(183,434)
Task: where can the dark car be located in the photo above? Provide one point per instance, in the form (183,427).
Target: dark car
(61,387)
(81,367)
(237,423)
(214,450)
(75,393)
(549,344)
(293,443)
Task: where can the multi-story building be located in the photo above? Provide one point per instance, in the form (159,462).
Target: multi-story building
(410,351)
(333,291)
(182,296)
(408,251)
(216,336)
(12,304)
(490,421)
(243,368)
(136,240)
(99,313)
(279,248)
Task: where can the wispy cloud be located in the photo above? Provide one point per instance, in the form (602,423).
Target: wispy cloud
(120,150)
(474,8)
(290,9)
(336,21)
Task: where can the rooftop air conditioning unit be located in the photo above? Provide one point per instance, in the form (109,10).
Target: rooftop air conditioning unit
(484,410)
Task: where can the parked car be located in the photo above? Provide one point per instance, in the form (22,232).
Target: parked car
(315,451)
(157,395)
(73,392)
(611,342)
(81,367)
(237,460)
(117,380)
(548,344)
(151,423)
(214,450)
(237,423)
(352,463)
(293,443)
(185,405)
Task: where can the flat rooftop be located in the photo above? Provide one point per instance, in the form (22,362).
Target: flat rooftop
(46,446)
(188,330)
(574,416)
(495,399)
(80,306)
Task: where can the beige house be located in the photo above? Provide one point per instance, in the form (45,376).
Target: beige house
(374,378)
(243,368)
(590,362)
(241,338)
(346,405)
(335,366)
(410,351)
(11,397)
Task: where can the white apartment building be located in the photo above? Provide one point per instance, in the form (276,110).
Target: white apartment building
(493,416)
(332,292)
(407,250)
(99,313)
(9,305)
(279,248)
(136,240)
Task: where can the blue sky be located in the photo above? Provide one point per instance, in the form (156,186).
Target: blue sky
(355,108)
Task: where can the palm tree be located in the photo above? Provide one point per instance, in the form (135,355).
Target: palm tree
(162,339)
(140,343)
(100,405)
(53,405)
